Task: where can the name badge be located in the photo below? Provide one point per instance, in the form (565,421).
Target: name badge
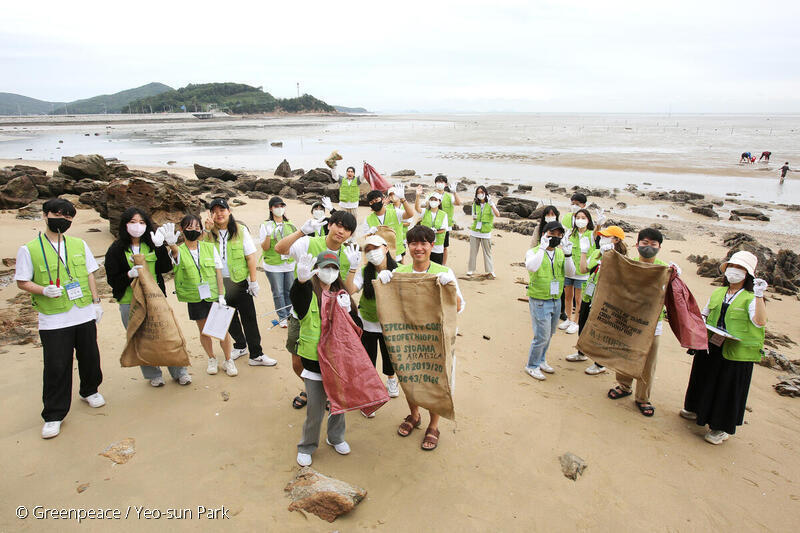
(74,291)
(204,290)
(555,288)
(590,289)
(478,224)
(716,339)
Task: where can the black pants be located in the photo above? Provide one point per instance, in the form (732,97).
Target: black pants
(437,258)
(236,296)
(371,341)
(583,316)
(58,346)
(563,314)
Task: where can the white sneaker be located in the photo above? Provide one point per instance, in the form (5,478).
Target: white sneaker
(230,368)
(688,415)
(565,324)
(595,369)
(51,429)
(535,373)
(547,368)
(371,415)
(576,357)
(95,400)
(262,360)
(393,387)
(303,459)
(716,436)
(469,273)
(212,365)
(157,381)
(342,448)
(185,379)
(572,328)
(236,353)
(284,323)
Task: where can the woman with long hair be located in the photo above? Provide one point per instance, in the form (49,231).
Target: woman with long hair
(582,227)
(279,268)
(480,233)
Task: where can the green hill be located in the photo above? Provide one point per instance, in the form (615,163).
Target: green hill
(233,98)
(13,104)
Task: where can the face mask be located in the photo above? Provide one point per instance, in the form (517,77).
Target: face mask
(574,208)
(328,275)
(192,234)
(648,251)
(550,219)
(555,241)
(581,222)
(480,196)
(440,185)
(279,211)
(375,256)
(734,275)
(604,241)
(58,225)
(136,230)
(434,204)
(377,206)
(318,214)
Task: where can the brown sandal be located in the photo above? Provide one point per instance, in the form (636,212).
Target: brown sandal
(409,425)
(431,437)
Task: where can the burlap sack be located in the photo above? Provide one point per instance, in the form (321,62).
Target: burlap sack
(418,317)
(627,302)
(389,236)
(154,337)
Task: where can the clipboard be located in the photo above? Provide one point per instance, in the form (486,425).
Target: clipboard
(721,332)
(218,320)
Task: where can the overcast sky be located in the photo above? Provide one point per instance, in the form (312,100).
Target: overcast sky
(503,55)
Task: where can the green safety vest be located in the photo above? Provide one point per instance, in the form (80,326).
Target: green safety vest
(575,239)
(485,217)
(234,256)
(539,281)
(434,224)
(271,257)
(149,259)
(367,307)
(390,219)
(187,276)
(448,206)
(75,252)
(592,260)
(738,324)
(309,331)
(434,268)
(349,193)
(317,245)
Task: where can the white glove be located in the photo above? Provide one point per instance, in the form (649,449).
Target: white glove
(398,258)
(353,255)
(490,201)
(585,245)
(599,217)
(221,300)
(385,276)
(544,242)
(372,230)
(304,268)
(759,286)
(98,313)
(400,191)
(454,186)
(606,247)
(311,226)
(134,272)
(676,267)
(269,230)
(51,291)
(157,237)
(170,235)
(445,277)
(326,203)
(253,288)
(344,301)
(566,246)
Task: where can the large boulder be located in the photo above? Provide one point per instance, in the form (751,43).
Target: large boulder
(326,497)
(207,172)
(269,185)
(18,192)
(521,206)
(706,211)
(78,167)
(497,190)
(749,213)
(321,175)
(284,170)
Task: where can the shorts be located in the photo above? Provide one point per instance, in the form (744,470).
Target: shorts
(577,283)
(446,239)
(293,335)
(199,310)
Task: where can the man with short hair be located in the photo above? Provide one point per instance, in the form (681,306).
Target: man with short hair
(349,190)
(383,216)
(577,201)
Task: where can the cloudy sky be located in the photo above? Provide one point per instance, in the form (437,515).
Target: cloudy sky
(503,55)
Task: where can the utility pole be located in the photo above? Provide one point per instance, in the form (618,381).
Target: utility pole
(298,89)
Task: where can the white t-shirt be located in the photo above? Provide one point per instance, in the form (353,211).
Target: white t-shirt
(73,317)
(372,327)
(222,244)
(437,248)
(277,233)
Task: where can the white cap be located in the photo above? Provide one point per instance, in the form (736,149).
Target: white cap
(743,259)
(375,240)
(436,195)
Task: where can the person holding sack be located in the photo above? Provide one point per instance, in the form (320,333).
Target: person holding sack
(198,282)
(138,235)
(720,378)
(480,235)
(279,268)
(58,272)
(547,267)
(382,215)
(436,219)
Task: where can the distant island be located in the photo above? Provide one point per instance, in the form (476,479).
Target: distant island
(356,110)
(16,104)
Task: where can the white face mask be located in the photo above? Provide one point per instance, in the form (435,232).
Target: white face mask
(734,275)
(605,241)
(328,275)
(574,208)
(136,230)
(581,222)
(550,219)
(433,204)
(318,214)
(279,211)
(480,196)
(440,185)
(375,256)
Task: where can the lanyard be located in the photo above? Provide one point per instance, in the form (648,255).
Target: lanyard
(196,263)
(552,260)
(728,299)
(480,216)
(60,261)
(224,245)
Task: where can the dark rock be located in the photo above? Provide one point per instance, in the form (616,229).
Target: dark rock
(297,172)
(256,195)
(572,466)
(558,190)
(288,193)
(18,192)
(245,184)
(705,211)
(497,190)
(510,215)
(625,226)
(520,206)
(78,167)
(750,214)
(405,172)
(86,185)
(320,175)
(551,185)
(284,170)
(621,205)
(788,386)
(269,185)
(526,188)
(735,218)
(308,198)
(206,172)
(278,144)
(32,211)
(525,227)
(718,203)
(467,208)
(297,185)
(326,497)
(332,192)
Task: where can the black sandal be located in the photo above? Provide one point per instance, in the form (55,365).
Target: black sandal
(617,392)
(300,401)
(646,408)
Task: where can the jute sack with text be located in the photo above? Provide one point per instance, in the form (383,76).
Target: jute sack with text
(627,302)
(154,337)
(418,317)
(389,236)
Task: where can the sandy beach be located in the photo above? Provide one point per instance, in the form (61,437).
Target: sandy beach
(496,468)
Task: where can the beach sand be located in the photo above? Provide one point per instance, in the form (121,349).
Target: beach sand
(496,468)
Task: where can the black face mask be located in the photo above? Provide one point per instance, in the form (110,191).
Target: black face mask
(377,206)
(555,241)
(647,251)
(192,234)
(58,225)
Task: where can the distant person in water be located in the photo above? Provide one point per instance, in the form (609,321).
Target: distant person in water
(765,156)
(784,170)
(745,157)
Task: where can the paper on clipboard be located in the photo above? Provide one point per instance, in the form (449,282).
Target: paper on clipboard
(721,332)
(218,320)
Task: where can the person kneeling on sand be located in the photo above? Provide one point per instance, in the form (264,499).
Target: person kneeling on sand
(420,243)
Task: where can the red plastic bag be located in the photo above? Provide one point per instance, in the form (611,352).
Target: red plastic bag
(350,380)
(374,179)
(684,315)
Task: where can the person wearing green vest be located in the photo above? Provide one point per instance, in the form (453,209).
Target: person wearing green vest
(450,199)
(306,296)
(198,282)
(547,267)
(239,263)
(420,245)
(382,215)
(349,190)
(341,226)
(136,234)
(279,268)
(720,377)
(436,219)
(573,285)
(58,272)
(480,233)
(648,243)
(400,209)
(577,201)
